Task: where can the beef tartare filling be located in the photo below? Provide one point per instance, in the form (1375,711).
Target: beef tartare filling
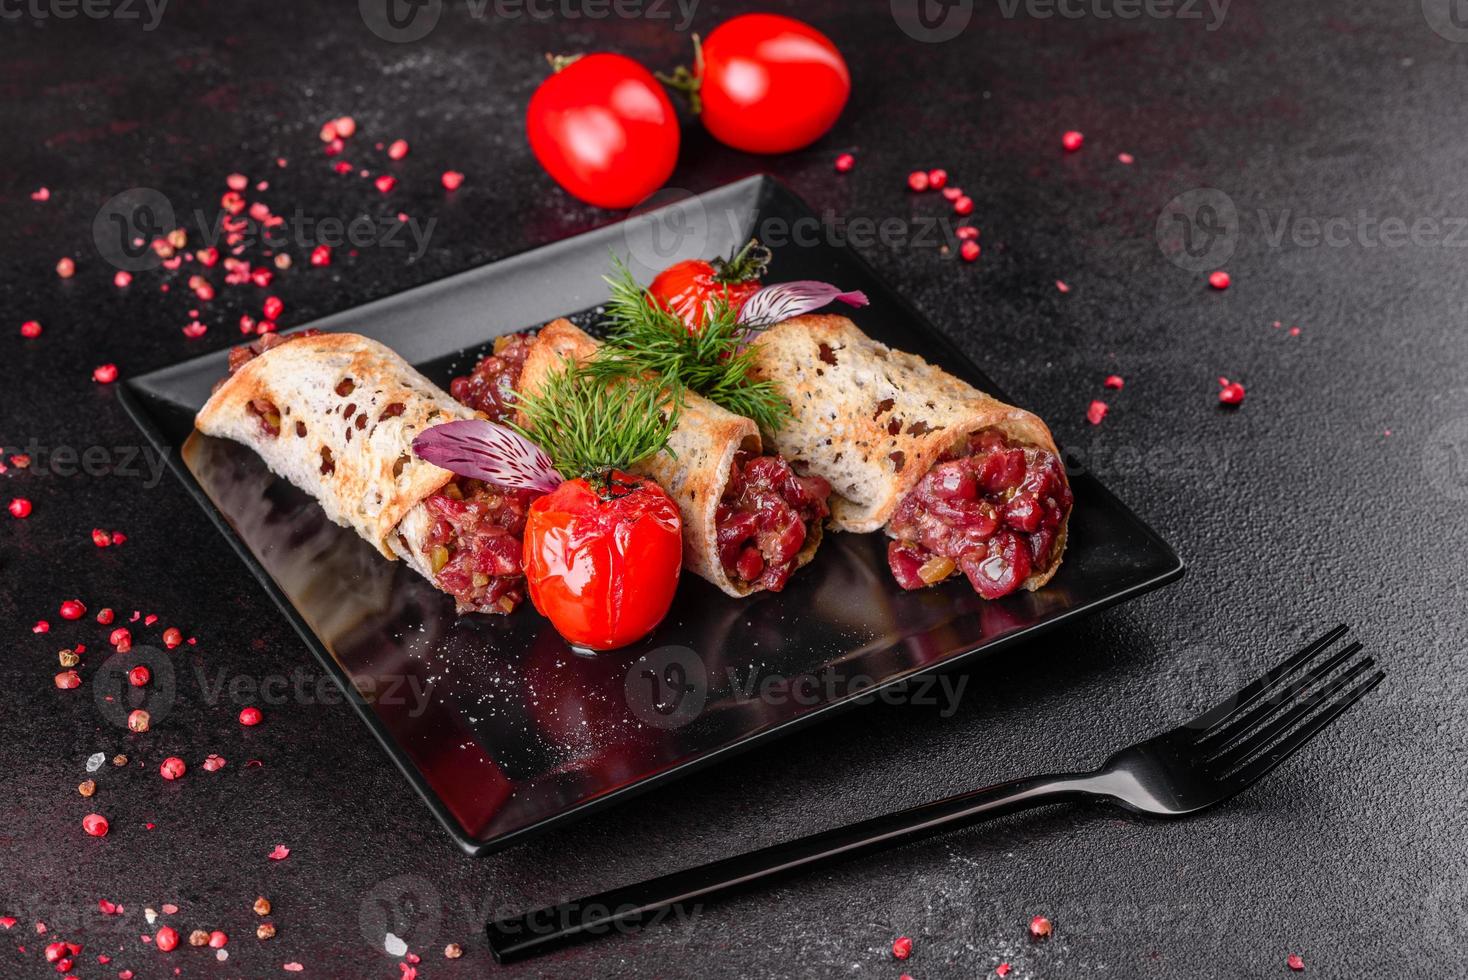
(490,387)
(473,545)
(764,518)
(993,513)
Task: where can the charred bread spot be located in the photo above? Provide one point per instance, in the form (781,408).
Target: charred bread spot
(899,460)
(328,464)
(883,406)
(300,429)
(345,386)
(827,353)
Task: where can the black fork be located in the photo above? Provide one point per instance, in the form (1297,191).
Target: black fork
(1197,765)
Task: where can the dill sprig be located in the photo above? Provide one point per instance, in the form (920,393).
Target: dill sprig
(715,361)
(590,425)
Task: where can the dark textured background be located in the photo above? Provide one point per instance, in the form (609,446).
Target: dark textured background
(1295,510)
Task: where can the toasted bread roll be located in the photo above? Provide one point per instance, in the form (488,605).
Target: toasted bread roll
(874,421)
(696,472)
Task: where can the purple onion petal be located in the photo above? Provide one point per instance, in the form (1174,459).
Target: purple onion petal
(784,300)
(486,451)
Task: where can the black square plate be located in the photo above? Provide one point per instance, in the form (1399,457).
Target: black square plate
(495,721)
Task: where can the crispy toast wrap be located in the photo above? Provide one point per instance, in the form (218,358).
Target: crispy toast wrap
(345,412)
(873,420)
(695,474)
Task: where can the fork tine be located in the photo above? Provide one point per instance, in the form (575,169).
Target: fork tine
(1252,692)
(1226,731)
(1262,766)
(1225,761)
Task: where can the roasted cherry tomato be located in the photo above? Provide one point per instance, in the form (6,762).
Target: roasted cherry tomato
(603,127)
(686,288)
(770,84)
(602,563)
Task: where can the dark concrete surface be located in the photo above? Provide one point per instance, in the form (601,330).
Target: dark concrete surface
(1337,491)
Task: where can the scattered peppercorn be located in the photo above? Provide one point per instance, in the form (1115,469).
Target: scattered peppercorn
(264,931)
(87,787)
(453,951)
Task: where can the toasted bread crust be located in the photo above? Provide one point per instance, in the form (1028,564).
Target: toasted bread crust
(357,487)
(695,474)
(873,420)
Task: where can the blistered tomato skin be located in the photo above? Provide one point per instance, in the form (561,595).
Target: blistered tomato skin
(604,571)
(771,84)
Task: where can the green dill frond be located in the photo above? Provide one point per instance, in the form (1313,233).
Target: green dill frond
(590,424)
(715,361)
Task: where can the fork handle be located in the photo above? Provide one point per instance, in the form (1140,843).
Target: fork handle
(650,901)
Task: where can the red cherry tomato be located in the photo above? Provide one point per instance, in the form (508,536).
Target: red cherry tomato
(687,288)
(603,127)
(770,84)
(603,571)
